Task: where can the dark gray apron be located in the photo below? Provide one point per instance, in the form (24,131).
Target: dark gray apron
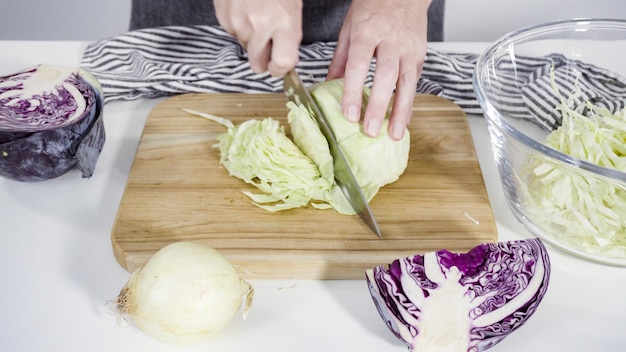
(322,19)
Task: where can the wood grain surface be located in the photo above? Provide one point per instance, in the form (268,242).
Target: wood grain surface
(177,191)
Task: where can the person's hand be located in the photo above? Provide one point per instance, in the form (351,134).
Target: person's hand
(393,31)
(269,30)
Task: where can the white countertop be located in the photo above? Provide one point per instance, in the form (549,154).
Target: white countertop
(58,274)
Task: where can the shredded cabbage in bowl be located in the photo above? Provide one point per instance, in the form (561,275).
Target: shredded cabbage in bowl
(584,210)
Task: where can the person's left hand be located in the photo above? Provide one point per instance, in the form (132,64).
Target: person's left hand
(394,32)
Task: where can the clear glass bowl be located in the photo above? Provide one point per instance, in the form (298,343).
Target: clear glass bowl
(583,211)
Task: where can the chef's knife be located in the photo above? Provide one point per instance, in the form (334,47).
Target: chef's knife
(297,92)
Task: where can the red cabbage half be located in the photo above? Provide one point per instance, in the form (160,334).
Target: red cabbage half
(442,301)
(50,122)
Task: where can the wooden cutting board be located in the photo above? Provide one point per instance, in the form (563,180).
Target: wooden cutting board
(177,191)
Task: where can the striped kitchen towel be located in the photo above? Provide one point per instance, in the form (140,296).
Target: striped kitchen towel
(157,62)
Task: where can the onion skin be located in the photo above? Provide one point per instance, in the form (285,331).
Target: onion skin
(41,155)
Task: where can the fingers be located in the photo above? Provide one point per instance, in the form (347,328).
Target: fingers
(385,78)
(393,73)
(276,54)
(284,52)
(270,31)
(259,53)
(337,65)
(351,61)
(404,96)
(358,66)
(394,32)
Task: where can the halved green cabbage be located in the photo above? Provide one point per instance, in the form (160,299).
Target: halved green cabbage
(295,173)
(390,157)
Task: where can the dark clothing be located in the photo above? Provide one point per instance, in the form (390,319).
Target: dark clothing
(321,19)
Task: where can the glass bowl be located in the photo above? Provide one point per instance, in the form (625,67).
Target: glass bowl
(573,204)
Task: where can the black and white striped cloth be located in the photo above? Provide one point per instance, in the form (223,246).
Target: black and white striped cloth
(157,62)
(576,83)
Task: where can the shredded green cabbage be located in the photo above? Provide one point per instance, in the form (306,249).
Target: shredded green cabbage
(585,211)
(259,152)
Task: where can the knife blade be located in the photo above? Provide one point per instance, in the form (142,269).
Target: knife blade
(296,91)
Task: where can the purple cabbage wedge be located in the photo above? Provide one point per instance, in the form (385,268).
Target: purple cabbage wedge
(50,122)
(442,301)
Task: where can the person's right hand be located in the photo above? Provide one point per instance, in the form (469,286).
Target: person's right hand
(270,30)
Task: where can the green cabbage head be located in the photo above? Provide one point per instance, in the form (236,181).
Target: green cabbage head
(375,162)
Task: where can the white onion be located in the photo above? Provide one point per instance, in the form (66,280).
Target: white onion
(184,293)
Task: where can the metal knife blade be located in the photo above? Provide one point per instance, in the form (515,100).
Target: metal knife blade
(296,91)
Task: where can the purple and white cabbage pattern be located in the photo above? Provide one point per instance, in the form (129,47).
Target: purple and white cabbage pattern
(50,122)
(443,301)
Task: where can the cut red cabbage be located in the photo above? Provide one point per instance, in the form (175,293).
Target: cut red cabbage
(442,301)
(50,122)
